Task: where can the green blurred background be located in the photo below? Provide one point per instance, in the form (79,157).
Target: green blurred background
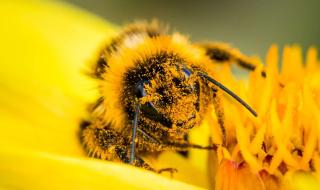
(250,25)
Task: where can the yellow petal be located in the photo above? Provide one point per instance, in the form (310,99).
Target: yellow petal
(272,60)
(302,181)
(311,62)
(26,169)
(44,48)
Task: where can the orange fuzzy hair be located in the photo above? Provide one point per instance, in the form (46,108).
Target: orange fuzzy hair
(112,85)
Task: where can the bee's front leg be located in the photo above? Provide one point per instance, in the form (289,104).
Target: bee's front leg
(122,153)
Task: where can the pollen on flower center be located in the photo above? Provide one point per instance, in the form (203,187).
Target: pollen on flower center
(285,138)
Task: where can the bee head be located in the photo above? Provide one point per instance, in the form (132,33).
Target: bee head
(171,96)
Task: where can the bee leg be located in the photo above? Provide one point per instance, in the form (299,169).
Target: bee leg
(185,153)
(220,115)
(171,170)
(117,146)
(223,53)
(185,146)
(182,147)
(139,162)
(122,154)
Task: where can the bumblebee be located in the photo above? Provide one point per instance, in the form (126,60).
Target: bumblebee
(154,88)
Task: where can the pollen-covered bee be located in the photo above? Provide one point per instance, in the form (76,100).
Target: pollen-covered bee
(154,88)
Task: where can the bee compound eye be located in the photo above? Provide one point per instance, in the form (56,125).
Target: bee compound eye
(186,72)
(139,88)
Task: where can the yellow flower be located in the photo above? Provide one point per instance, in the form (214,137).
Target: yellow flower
(43,94)
(45,46)
(279,148)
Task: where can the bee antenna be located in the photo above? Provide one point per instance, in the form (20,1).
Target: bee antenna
(222,87)
(134,133)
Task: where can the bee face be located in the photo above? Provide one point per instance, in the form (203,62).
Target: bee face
(167,91)
(175,95)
